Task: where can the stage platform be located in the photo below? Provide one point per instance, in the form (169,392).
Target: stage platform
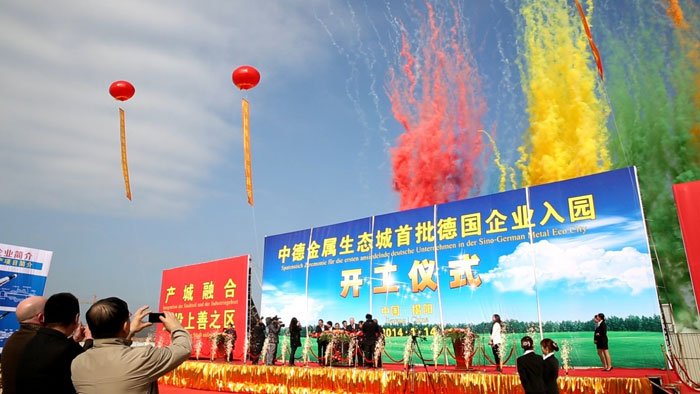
(393,378)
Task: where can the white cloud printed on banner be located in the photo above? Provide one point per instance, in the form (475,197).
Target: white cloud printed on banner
(580,265)
(287,302)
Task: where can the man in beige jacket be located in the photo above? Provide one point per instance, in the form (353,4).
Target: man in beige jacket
(112,366)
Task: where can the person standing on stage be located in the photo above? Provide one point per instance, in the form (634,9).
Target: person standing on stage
(530,368)
(369,332)
(352,326)
(273,338)
(321,344)
(550,371)
(258,337)
(600,338)
(495,340)
(294,338)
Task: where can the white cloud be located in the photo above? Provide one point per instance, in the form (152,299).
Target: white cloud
(286,302)
(575,264)
(59,126)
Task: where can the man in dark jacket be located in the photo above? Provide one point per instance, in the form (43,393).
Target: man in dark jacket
(370,331)
(30,315)
(530,368)
(44,366)
(258,338)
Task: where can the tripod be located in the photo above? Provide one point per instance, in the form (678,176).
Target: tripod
(410,372)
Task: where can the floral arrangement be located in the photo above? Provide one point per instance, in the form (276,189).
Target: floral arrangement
(214,346)
(351,351)
(265,349)
(437,346)
(565,356)
(246,347)
(468,349)
(341,336)
(229,348)
(459,334)
(504,345)
(329,351)
(219,338)
(198,345)
(285,348)
(407,350)
(378,350)
(306,350)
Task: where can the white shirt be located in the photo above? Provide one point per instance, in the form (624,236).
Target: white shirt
(496,334)
(546,356)
(528,351)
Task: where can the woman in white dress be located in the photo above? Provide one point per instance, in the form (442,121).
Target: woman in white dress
(495,340)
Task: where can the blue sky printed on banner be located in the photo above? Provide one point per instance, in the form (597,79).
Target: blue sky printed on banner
(581,246)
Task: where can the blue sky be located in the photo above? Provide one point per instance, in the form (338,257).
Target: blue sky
(320,123)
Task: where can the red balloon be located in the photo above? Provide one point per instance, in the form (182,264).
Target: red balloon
(122,90)
(245,77)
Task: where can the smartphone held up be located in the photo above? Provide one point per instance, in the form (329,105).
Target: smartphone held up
(154,317)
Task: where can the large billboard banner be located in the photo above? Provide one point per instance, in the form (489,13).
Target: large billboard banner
(23,273)
(208,298)
(545,258)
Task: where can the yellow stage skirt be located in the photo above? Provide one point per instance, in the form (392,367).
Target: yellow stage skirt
(314,380)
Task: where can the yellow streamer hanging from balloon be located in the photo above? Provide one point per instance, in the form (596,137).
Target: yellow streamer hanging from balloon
(568,135)
(246,151)
(123,91)
(125,165)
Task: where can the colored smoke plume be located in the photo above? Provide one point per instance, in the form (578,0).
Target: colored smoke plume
(568,135)
(651,85)
(675,12)
(689,39)
(435,95)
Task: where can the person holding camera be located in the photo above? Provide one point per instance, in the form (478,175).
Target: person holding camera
(112,365)
(273,339)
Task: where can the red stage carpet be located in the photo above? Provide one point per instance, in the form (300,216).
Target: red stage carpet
(194,376)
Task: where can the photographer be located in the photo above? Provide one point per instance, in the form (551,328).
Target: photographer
(273,338)
(112,365)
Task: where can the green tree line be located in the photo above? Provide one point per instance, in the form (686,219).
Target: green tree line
(614,323)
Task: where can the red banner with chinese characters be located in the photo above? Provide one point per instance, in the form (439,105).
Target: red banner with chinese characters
(687,196)
(207,298)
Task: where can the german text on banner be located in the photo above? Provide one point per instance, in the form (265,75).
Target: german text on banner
(545,258)
(207,298)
